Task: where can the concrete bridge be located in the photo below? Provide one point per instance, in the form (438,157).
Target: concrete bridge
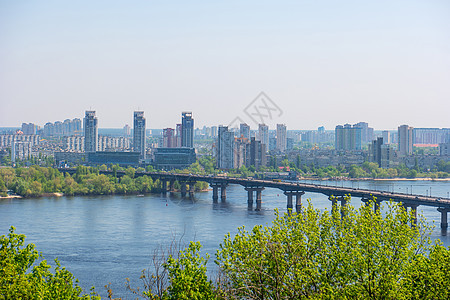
(292,190)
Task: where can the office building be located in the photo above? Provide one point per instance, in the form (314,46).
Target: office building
(244,131)
(281,138)
(123,159)
(225,148)
(174,158)
(405,140)
(139,133)
(187,130)
(90,124)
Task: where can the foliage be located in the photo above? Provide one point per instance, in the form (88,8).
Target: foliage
(35,180)
(18,281)
(187,275)
(315,254)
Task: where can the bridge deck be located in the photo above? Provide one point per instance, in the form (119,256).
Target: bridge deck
(294,186)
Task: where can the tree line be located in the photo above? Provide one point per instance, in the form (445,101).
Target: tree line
(36,181)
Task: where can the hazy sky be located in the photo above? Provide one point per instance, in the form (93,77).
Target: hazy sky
(325,63)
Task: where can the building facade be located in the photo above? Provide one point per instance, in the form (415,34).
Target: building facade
(139,133)
(225,148)
(263,134)
(187,130)
(281,138)
(348,137)
(169,138)
(90,124)
(244,131)
(405,140)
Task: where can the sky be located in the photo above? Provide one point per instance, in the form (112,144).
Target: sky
(317,62)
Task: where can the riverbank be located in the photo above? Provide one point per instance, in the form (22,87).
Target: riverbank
(374,179)
(11,197)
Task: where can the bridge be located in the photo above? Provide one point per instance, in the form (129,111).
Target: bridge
(291,190)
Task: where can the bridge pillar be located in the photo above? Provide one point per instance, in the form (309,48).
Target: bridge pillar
(163,186)
(258,198)
(298,201)
(215,192)
(333,200)
(250,197)
(171,185)
(215,187)
(444,211)
(414,212)
(191,189)
(289,200)
(376,203)
(223,191)
(183,189)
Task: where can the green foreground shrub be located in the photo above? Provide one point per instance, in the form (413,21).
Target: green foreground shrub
(17,281)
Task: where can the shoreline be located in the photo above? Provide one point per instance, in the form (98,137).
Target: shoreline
(375,179)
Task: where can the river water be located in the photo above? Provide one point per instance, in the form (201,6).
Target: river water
(106,239)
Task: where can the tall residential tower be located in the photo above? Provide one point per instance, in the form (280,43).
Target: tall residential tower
(90,124)
(139,133)
(187,130)
(405,140)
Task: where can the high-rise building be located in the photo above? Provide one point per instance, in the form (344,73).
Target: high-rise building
(348,137)
(366,132)
(405,140)
(375,151)
(241,152)
(90,124)
(178,134)
(386,137)
(169,138)
(139,133)
(257,153)
(126,130)
(213,131)
(187,130)
(244,131)
(225,148)
(263,134)
(29,128)
(429,136)
(281,137)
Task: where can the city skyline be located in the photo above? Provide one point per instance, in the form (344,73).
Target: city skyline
(321,63)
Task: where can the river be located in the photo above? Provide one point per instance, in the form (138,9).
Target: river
(106,239)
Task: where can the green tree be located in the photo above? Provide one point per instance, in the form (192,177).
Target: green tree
(314,254)
(19,279)
(187,275)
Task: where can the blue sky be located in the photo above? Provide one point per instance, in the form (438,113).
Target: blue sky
(322,62)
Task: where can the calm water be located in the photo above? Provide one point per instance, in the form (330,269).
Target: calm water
(107,239)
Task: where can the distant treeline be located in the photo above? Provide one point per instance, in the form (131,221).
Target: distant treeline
(36,181)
